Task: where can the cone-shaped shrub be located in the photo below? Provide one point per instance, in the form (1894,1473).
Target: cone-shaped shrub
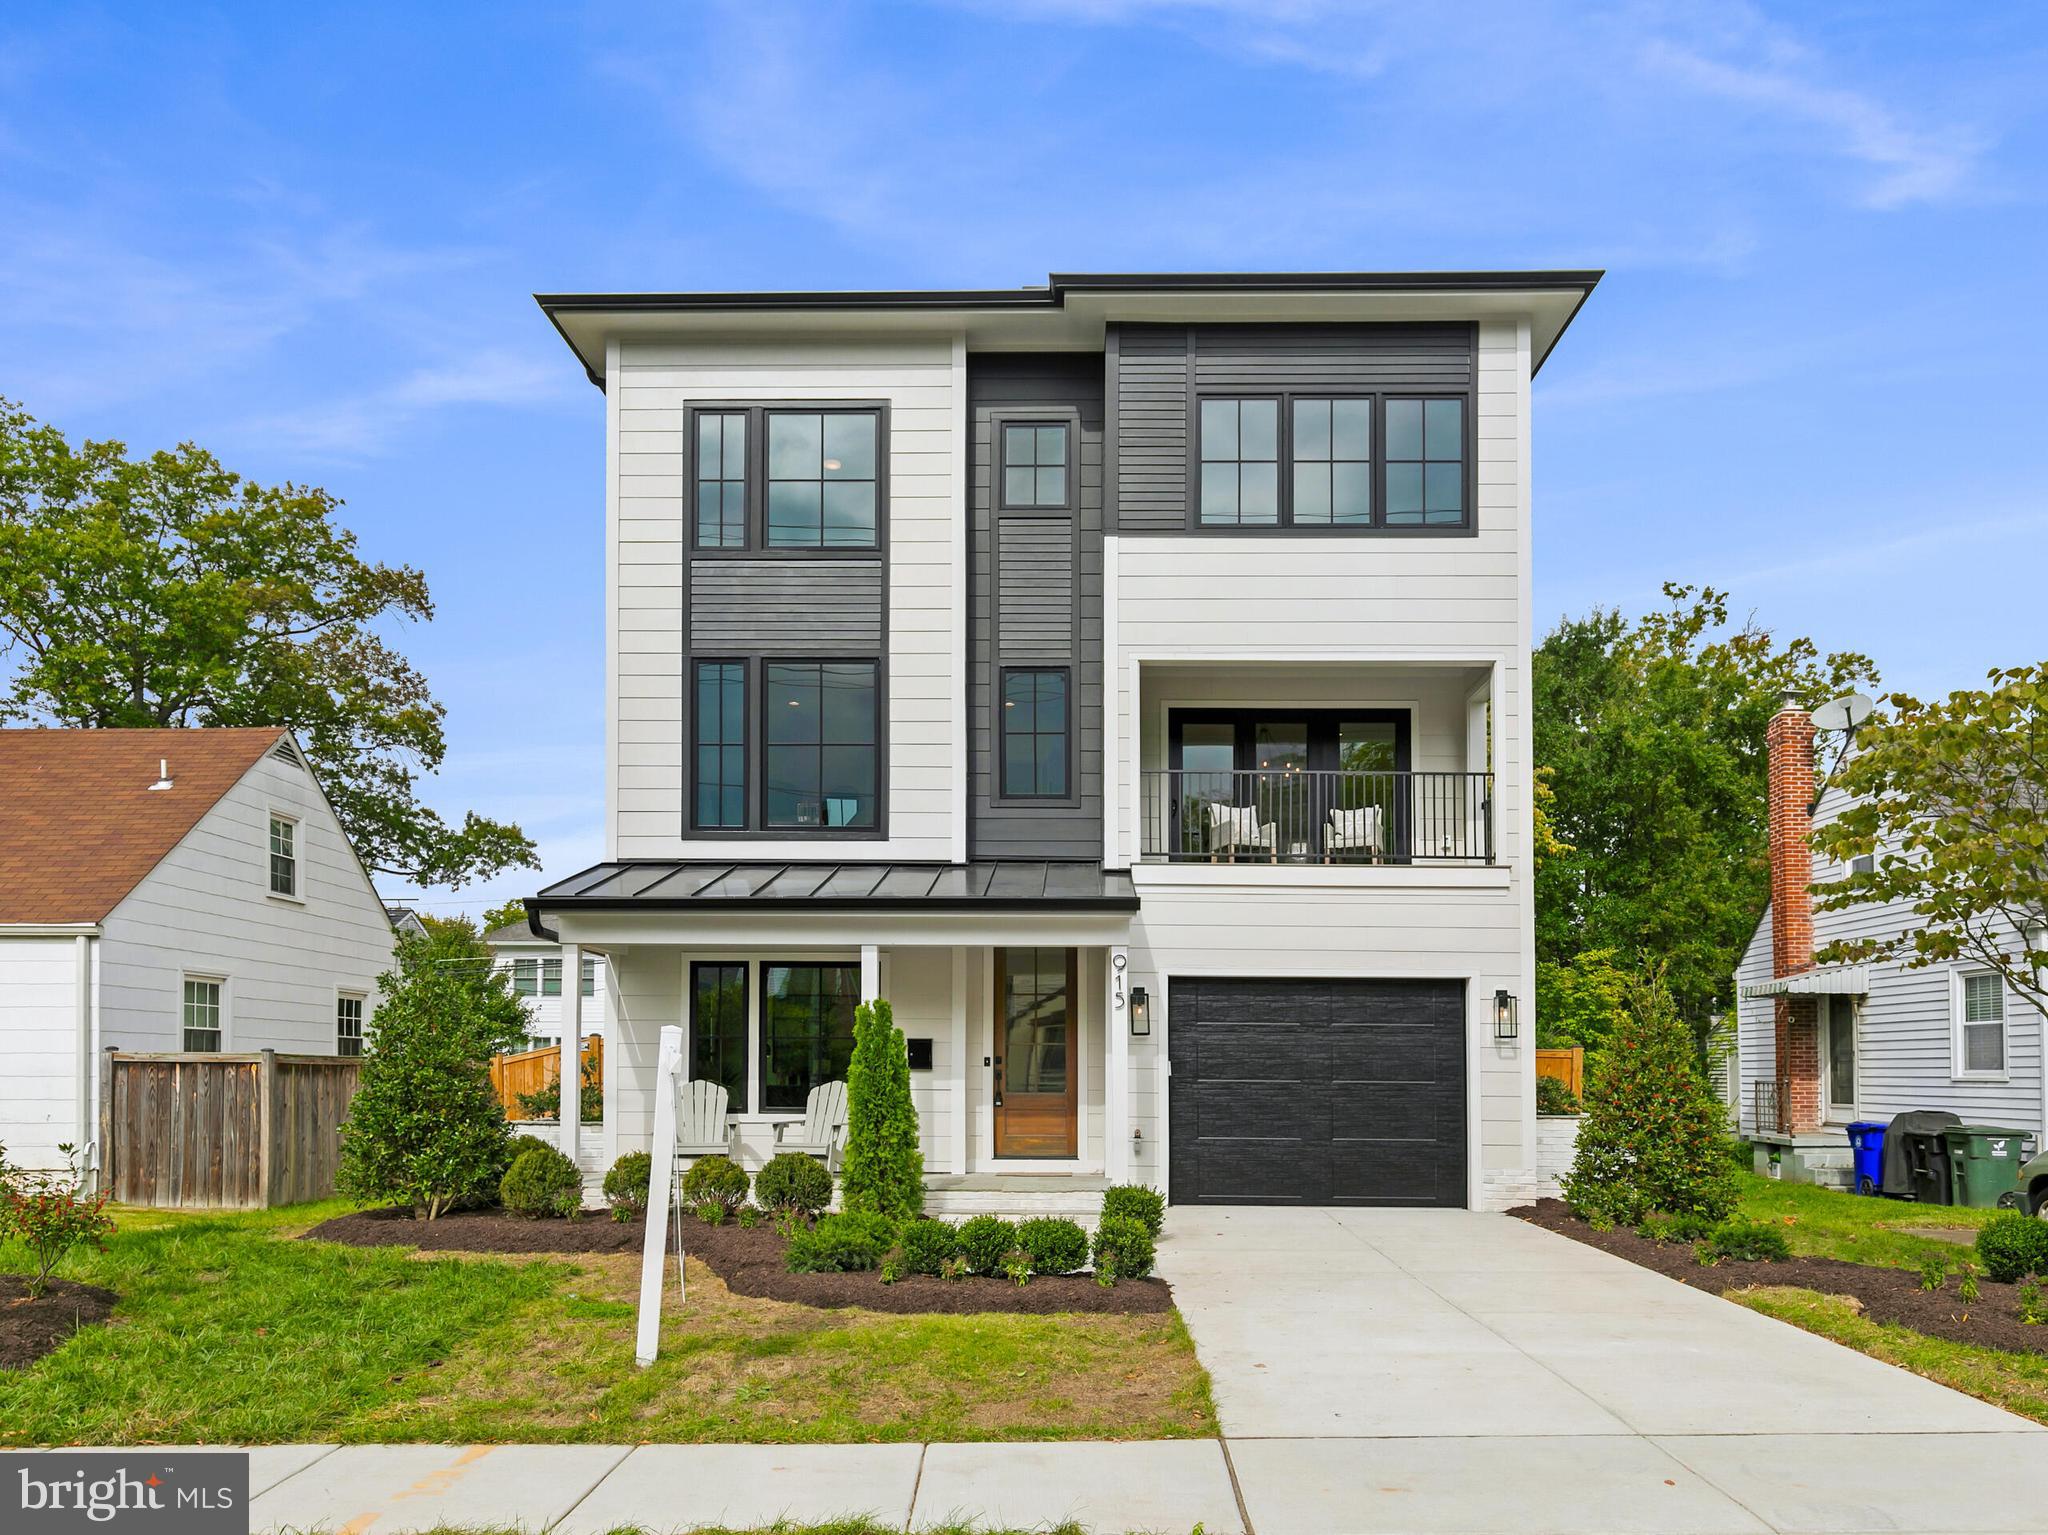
(1653,1135)
(884,1171)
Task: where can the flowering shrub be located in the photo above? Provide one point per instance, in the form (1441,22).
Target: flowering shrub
(52,1215)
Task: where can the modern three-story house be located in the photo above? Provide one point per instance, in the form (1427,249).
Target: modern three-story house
(1128,678)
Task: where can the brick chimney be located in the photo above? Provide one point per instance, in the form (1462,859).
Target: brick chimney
(1789,743)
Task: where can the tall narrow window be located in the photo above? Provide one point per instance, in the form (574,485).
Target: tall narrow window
(721,480)
(821,731)
(1035,465)
(1240,445)
(1333,462)
(822,478)
(721,744)
(551,977)
(589,986)
(348,1025)
(202,1015)
(806,1029)
(718,1029)
(1035,717)
(1982,1027)
(284,856)
(525,977)
(1425,449)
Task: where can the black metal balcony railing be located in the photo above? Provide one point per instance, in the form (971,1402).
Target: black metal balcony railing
(1300,816)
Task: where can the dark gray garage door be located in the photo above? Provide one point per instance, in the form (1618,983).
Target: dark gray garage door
(1317,1092)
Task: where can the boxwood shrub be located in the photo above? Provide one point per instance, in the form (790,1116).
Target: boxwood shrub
(840,1244)
(625,1186)
(1053,1245)
(1145,1205)
(1123,1249)
(928,1245)
(1745,1242)
(718,1180)
(793,1184)
(2011,1246)
(541,1182)
(985,1242)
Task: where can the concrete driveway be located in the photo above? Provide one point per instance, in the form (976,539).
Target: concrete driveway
(1438,1370)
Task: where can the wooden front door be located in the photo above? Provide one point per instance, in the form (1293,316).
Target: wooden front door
(1037,1047)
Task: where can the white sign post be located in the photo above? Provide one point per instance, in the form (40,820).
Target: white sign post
(660,1185)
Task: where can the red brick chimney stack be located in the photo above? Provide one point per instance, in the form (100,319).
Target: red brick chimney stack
(1789,743)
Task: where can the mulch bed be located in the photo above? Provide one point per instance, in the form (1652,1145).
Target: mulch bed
(749,1262)
(1885,1294)
(30,1329)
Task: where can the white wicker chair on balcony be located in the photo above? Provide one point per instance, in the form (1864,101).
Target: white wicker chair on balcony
(1354,834)
(1236,829)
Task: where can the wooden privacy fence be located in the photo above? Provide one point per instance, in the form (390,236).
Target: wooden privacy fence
(1568,1066)
(528,1071)
(230,1132)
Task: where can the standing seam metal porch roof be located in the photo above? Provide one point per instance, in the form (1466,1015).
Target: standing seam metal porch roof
(717,885)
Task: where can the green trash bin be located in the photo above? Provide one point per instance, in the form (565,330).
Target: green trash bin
(1984,1162)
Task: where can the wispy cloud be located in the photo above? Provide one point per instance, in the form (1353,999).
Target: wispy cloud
(360,425)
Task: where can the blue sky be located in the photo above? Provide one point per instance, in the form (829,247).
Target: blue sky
(306,237)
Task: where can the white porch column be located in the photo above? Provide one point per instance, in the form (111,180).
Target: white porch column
(572,1048)
(1116,1090)
(870,972)
(957,1086)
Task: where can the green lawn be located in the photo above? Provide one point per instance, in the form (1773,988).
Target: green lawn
(1825,1223)
(230,1332)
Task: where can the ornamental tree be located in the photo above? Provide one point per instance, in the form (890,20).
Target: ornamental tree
(1653,1137)
(884,1171)
(1951,807)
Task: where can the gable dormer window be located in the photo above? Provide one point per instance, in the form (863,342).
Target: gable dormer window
(284,856)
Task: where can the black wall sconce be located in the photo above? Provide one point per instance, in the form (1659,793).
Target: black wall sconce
(1506,1022)
(1141,1013)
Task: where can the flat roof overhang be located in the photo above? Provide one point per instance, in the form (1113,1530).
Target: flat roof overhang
(1072,311)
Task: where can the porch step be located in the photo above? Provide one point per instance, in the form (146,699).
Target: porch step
(955,1196)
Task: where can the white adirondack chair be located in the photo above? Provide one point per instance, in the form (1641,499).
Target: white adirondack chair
(702,1129)
(823,1129)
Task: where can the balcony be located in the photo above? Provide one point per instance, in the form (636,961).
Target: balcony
(1300,815)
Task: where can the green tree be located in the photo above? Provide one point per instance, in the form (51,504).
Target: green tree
(1653,737)
(884,1171)
(167,591)
(1951,805)
(511,913)
(1580,1002)
(426,1126)
(1652,1138)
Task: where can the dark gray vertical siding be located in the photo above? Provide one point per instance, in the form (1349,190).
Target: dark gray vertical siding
(1157,370)
(1035,597)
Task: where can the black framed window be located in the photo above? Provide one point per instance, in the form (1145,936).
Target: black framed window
(1035,734)
(1332,462)
(823,479)
(1425,450)
(1240,459)
(806,1029)
(721,479)
(1036,465)
(721,743)
(718,1028)
(822,729)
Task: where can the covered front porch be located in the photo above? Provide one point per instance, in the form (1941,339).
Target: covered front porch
(1007,980)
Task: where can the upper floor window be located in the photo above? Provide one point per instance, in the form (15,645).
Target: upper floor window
(537,977)
(822,749)
(721,480)
(589,985)
(201,1015)
(1319,461)
(551,977)
(348,1025)
(787,477)
(1980,1025)
(821,480)
(1035,466)
(1034,730)
(1240,453)
(721,734)
(284,856)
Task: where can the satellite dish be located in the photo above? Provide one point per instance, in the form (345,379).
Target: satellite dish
(1844,713)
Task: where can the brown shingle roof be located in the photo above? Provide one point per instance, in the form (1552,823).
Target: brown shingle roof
(79,824)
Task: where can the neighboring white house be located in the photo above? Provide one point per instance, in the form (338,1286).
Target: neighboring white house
(168,890)
(1821,1046)
(1127,678)
(534,969)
